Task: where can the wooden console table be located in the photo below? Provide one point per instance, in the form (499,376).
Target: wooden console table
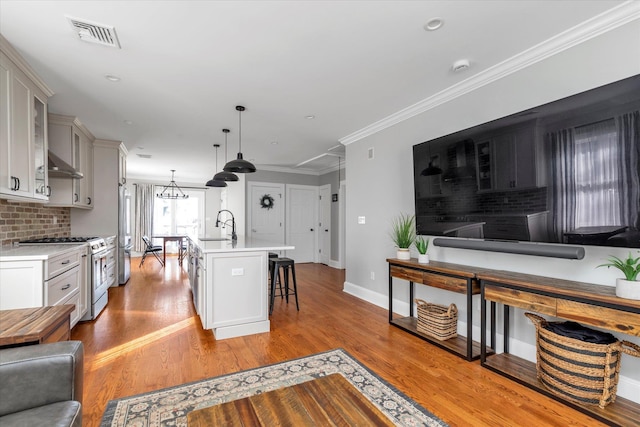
(329,400)
(588,304)
(451,277)
(39,325)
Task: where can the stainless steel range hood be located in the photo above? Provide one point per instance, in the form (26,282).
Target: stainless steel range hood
(58,168)
(461,170)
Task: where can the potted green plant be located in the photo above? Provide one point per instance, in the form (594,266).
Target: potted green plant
(629,287)
(422,244)
(403,235)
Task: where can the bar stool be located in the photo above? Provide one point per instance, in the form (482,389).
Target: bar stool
(271,256)
(286,264)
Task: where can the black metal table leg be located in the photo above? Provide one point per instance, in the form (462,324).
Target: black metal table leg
(390,295)
(506,328)
(469,320)
(411,293)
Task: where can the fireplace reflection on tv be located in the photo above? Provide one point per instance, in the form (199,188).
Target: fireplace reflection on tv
(567,172)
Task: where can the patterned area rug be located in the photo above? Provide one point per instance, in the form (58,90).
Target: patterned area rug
(169,407)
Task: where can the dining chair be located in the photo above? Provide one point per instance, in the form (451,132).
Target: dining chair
(151,249)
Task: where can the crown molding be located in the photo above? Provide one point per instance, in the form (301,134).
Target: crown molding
(609,20)
(17,59)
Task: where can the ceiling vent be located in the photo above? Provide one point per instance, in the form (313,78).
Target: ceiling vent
(144,156)
(93,32)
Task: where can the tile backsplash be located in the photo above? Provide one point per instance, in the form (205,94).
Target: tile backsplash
(20,221)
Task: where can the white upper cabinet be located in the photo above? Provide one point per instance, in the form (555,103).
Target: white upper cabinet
(510,160)
(72,142)
(23,129)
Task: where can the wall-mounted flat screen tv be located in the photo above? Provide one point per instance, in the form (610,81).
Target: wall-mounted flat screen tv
(565,172)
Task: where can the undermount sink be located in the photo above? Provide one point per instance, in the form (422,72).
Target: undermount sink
(213,239)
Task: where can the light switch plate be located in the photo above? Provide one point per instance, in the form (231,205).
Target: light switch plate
(361,220)
(237,271)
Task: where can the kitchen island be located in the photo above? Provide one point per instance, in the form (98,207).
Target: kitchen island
(230,284)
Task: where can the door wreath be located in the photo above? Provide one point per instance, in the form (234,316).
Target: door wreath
(266,202)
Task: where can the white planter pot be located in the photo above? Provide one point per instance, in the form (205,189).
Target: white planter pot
(423,258)
(629,289)
(403,253)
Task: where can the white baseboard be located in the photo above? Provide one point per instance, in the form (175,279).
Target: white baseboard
(628,388)
(335,264)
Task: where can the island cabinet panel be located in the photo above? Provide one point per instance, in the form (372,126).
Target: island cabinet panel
(601,317)
(235,294)
(525,300)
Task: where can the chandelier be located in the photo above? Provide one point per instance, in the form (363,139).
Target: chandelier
(172,191)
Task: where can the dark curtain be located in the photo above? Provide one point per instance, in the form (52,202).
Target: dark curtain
(628,130)
(564,186)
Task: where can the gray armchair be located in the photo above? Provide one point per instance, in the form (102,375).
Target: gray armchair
(41,385)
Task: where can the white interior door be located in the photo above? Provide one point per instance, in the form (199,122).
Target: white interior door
(301,219)
(266,211)
(324,224)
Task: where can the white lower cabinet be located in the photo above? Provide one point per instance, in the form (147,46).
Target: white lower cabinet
(234,294)
(21,284)
(56,280)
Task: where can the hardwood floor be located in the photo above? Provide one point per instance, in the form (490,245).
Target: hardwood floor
(149,337)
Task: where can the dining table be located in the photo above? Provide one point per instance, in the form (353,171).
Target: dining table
(171,238)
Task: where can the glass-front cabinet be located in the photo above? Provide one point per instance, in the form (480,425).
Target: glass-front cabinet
(72,142)
(23,129)
(41,186)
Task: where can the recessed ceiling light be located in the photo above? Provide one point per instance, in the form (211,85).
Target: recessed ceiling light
(140,147)
(274,142)
(433,24)
(460,65)
(128,122)
(310,117)
(112,78)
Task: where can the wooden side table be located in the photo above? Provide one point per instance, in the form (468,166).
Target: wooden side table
(450,277)
(27,326)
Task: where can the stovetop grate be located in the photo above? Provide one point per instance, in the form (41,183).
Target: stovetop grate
(60,240)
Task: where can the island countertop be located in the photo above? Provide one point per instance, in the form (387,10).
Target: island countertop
(243,244)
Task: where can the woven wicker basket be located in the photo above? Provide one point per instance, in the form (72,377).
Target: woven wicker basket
(437,321)
(579,371)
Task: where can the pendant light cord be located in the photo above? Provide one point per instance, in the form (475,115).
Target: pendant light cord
(240,131)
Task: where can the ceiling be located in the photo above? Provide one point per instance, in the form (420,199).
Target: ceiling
(185,65)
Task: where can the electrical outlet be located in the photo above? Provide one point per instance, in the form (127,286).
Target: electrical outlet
(237,271)
(361,220)
(55,220)
(373,275)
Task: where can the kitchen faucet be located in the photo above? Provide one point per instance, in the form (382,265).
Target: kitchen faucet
(234,236)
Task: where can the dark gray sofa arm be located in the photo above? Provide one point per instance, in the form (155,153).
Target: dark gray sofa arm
(39,375)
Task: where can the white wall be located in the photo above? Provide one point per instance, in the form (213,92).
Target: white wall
(609,57)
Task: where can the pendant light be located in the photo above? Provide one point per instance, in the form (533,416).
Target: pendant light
(239,165)
(224,175)
(431,170)
(172,191)
(215,182)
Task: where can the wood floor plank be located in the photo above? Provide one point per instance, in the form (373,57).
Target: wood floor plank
(149,337)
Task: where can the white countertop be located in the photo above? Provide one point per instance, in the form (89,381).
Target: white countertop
(35,252)
(243,244)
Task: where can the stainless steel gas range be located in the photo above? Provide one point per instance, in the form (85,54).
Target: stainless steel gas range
(101,267)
